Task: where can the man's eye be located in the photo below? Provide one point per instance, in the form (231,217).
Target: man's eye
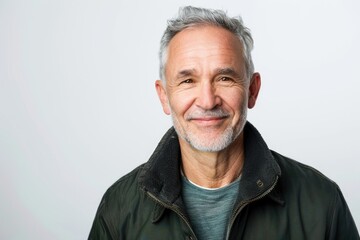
(225,79)
(187,81)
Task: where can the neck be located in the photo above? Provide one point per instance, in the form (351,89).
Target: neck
(213,169)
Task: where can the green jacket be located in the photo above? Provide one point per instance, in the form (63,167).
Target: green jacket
(278,198)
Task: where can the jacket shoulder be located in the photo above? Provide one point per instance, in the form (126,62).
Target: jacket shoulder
(124,184)
(112,211)
(116,197)
(301,183)
(301,174)
(315,199)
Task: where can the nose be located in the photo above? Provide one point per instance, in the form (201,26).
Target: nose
(207,98)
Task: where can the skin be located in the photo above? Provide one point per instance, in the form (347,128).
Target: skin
(205,71)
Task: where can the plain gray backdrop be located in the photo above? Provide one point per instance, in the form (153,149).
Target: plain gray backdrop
(78,107)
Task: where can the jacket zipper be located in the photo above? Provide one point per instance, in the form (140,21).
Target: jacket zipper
(175,209)
(245,203)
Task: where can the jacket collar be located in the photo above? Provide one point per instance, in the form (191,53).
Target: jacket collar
(161,174)
(260,170)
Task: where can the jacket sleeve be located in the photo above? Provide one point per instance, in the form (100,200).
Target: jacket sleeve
(100,228)
(342,225)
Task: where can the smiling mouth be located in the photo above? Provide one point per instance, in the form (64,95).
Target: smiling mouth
(208,121)
(207,118)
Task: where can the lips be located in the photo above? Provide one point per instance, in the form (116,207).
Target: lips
(207,119)
(208,115)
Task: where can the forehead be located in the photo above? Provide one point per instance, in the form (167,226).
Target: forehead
(204,44)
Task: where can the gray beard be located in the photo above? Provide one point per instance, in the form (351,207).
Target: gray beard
(212,145)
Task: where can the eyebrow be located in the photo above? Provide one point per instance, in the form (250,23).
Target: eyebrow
(185,73)
(227,71)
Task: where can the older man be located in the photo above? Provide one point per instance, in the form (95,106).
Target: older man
(212,175)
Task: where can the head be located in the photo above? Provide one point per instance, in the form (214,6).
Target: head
(208,78)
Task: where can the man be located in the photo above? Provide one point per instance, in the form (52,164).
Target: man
(212,175)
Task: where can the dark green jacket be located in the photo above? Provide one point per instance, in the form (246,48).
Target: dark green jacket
(278,199)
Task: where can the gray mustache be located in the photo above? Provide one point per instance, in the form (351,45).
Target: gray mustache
(199,113)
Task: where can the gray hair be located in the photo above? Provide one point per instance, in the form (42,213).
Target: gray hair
(192,16)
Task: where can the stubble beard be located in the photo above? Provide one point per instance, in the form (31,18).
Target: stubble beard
(203,143)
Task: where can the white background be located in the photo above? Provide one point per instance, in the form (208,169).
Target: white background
(78,108)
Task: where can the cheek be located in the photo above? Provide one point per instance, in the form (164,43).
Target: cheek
(236,103)
(180,103)
(235,99)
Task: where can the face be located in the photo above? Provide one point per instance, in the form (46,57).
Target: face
(207,91)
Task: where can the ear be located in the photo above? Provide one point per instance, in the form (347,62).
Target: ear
(161,91)
(254,89)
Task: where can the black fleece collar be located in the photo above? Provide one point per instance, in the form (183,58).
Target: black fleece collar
(161,174)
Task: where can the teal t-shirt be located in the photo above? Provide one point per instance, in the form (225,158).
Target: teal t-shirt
(209,209)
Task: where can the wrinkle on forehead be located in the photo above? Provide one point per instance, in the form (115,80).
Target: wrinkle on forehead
(205,48)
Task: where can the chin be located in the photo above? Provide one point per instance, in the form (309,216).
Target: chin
(211,142)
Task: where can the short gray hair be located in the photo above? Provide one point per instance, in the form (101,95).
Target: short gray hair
(192,16)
